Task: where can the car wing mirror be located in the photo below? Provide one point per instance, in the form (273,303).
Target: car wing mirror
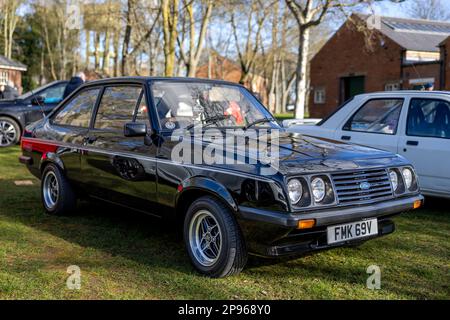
(134,129)
(37,100)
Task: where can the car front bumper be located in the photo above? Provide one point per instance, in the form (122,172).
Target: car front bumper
(275,234)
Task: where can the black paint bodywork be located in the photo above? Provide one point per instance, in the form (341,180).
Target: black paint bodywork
(138,173)
(23,111)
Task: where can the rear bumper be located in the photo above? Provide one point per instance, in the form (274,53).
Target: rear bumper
(276,234)
(26,160)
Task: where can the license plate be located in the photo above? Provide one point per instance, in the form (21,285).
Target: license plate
(352,231)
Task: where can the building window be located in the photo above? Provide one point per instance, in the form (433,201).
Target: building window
(319,96)
(392,87)
(3,77)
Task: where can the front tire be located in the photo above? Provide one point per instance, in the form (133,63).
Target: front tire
(57,194)
(213,239)
(9,132)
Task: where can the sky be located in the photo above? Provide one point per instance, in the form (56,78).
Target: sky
(387,8)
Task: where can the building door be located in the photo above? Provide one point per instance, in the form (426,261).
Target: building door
(351,86)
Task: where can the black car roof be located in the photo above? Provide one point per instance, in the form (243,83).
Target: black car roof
(147,79)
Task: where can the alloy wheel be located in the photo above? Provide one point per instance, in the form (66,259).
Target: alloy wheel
(50,190)
(8,133)
(205,238)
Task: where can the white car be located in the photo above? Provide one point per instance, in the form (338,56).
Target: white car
(414,124)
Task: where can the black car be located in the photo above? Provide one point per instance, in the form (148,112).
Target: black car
(119,140)
(27,108)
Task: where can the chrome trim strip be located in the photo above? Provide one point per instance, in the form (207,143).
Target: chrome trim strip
(146,158)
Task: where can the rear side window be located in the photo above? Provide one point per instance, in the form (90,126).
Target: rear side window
(429,118)
(377,116)
(117,107)
(78,111)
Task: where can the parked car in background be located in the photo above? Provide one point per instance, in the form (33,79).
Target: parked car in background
(414,124)
(27,108)
(295,122)
(114,140)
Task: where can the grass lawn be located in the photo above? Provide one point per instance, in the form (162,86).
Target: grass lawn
(123,255)
(284,116)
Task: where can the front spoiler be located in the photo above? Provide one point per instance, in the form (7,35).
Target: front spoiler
(275,234)
(331,216)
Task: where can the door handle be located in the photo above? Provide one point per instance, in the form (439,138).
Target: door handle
(90,139)
(412,143)
(346,138)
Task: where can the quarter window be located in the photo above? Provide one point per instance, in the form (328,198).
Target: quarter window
(117,107)
(142,110)
(377,116)
(429,118)
(78,111)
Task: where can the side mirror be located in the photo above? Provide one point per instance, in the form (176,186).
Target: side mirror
(134,129)
(37,100)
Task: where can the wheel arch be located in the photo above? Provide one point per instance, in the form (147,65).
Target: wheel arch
(51,158)
(198,187)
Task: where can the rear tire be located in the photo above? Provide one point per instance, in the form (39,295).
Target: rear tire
(213,239)
(57,194)
(9,132)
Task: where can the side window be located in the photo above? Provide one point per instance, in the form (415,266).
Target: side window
(117,107)
(53,94)
(429,118)
(377,116)
(79,110)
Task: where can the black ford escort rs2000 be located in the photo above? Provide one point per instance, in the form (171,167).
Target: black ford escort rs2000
(267,192)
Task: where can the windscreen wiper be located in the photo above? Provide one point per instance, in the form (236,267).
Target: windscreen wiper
(254,123)
(209,121)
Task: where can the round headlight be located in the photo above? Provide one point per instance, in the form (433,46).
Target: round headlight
(295,191)
(407,177)
(394,179)
(318,189)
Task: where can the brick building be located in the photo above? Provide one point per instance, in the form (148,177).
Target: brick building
(399,54)
(11,70)
(222,68)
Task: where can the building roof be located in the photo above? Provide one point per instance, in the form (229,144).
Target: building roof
(6,63)
(414,34)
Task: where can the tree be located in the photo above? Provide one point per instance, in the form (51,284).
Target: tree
(309,14)
(247,50)
(196,42)
(59,43)
(146,20)
(9,20)
(170,15)
(281,70)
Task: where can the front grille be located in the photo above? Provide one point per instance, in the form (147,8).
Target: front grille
(350,187)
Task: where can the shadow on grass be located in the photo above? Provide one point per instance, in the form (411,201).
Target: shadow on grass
(147,240)
(439,205)
(113,230)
